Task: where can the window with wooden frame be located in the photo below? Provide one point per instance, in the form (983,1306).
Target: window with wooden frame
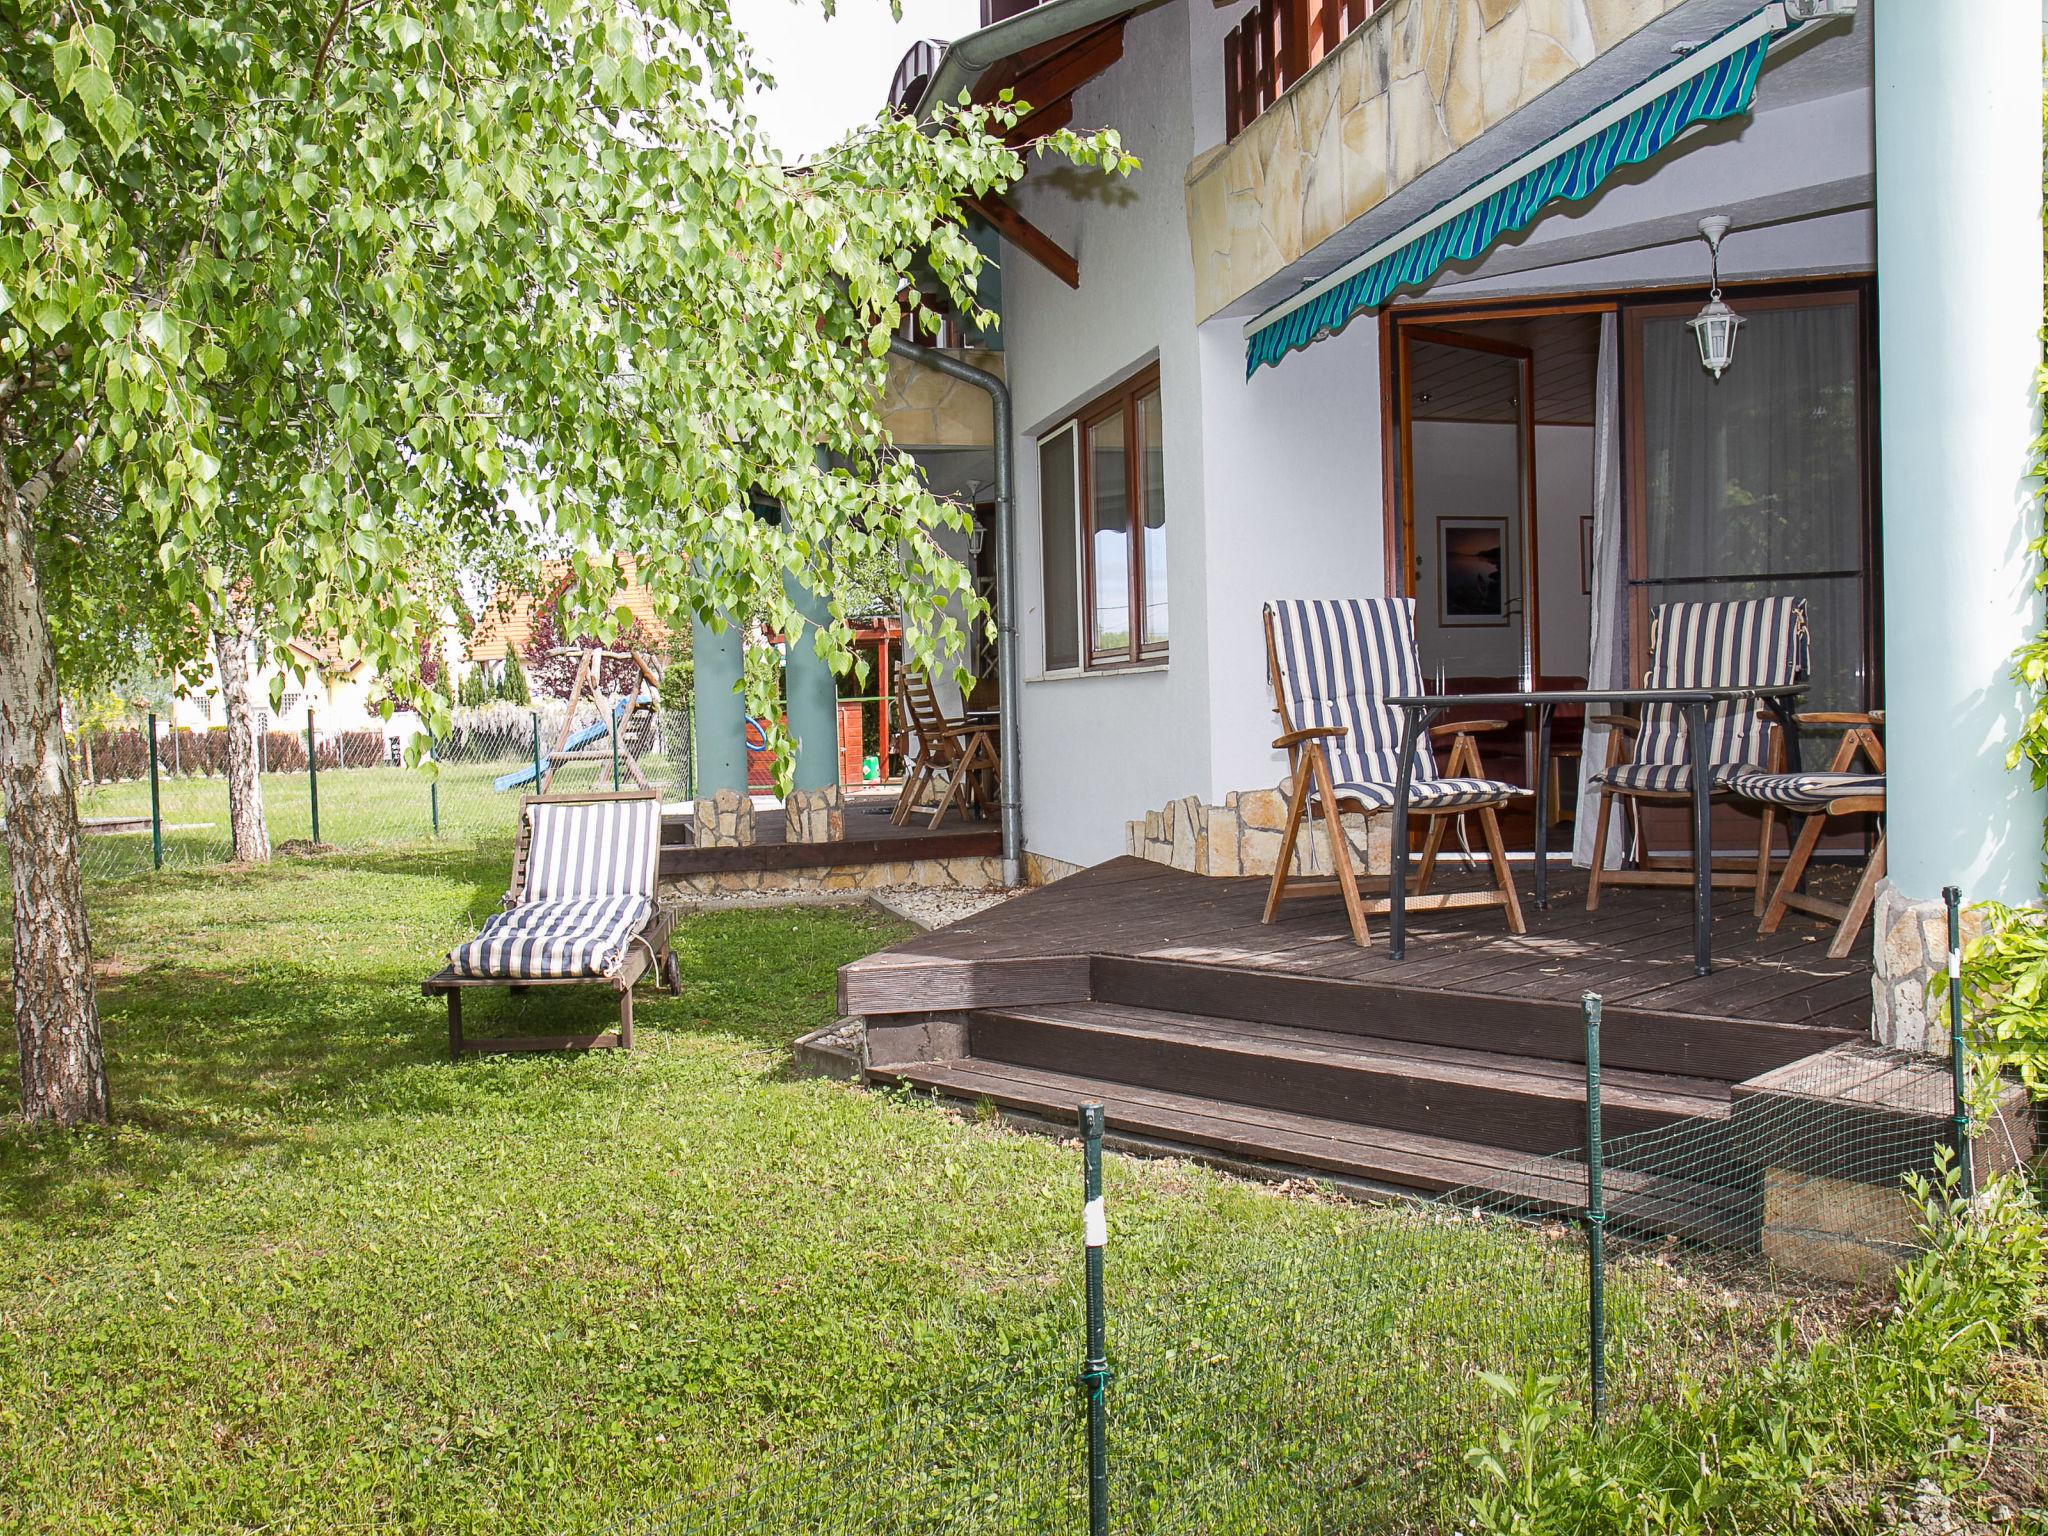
(1102,518)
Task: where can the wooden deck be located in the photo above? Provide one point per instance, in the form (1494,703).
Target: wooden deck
(1163,995)
(871,838)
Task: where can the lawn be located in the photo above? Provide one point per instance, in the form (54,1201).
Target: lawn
(317,1278)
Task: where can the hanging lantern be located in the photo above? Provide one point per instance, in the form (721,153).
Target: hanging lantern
(1714,327)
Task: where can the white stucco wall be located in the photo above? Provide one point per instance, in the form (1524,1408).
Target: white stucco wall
(1293,465)
(1564,495)
(1101,748)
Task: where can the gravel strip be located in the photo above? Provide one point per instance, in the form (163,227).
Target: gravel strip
(925,908)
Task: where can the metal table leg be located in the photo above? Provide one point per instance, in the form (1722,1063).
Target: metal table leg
(1702,839)
(1541,768)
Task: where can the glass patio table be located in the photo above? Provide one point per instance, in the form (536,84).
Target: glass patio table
(1418,710)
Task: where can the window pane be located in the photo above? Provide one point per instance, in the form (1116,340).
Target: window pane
(1152,446)
(1754,482)
(1058,532)
(1109,527)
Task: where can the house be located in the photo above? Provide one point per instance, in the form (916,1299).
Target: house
(1390,303)
(505,626)
(1434,299)
(318,681)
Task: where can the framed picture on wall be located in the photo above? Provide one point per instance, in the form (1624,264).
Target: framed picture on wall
(1586,554)
(1472,571)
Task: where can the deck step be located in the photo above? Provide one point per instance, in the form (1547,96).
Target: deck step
(1518,1104)
(1397,1161)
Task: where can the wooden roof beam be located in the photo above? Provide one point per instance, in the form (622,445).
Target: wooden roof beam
(1040,122)
(1028,238)
(1057,77)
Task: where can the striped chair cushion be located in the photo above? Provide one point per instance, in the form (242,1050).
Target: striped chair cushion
(542,939)
(595,848)
(1660,778)
(1340,661)
(1757,642)
(1805,791)
(1436,794)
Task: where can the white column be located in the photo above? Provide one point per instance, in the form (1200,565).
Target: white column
(1958,143)
(1959,271)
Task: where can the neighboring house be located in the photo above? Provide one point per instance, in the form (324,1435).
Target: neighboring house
(506,624)
(340,692)
(1307,351)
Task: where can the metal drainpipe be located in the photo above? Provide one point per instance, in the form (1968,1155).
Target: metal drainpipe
(1006,587)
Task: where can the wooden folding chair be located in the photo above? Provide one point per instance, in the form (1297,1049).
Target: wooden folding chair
(955,758)
(1333,665)
(1744,643)
(1839,791)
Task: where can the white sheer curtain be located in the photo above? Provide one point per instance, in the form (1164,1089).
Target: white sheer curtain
(1607,652)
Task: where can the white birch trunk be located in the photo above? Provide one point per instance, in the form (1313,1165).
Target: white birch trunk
(245,785)
(56,1013)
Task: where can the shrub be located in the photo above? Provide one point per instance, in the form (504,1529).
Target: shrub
(512,686)
(1812,1438)
(2005,994)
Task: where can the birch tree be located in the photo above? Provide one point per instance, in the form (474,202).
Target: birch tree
(333,284)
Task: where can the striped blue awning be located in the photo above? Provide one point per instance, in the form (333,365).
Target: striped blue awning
(1571,166)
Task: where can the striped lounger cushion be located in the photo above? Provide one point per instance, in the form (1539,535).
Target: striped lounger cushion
(1341,660)
(591,869)
(553,940)
(1805,791)
(597,848)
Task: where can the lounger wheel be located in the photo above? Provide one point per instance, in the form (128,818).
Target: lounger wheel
(672,975)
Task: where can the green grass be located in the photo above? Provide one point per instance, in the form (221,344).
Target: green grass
(316,1278)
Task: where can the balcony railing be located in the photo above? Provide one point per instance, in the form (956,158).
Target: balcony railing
(1277,43)
(914,72)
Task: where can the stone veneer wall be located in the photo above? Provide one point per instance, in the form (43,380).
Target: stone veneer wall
(1242,836)
(1043,869)
(815,815)
(724,820)
(1414,83)
(926,409)
(1911,939)
(956,874)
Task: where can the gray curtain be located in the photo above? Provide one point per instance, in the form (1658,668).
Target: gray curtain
(1607,654)
(1753,482)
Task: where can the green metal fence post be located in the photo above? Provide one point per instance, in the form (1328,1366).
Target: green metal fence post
(1095,1368)
(615,754)
(1596,1216)
(536,752)
(434,785)
(156,805)
(313,774)
(1958,1064)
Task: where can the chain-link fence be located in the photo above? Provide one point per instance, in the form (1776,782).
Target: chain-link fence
(153,798)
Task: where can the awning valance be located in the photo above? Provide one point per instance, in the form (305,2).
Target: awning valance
(1714,81)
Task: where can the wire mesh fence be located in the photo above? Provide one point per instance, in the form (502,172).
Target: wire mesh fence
(154,798)
(1377,1374)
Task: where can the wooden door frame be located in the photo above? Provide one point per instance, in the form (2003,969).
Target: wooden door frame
(1525,468)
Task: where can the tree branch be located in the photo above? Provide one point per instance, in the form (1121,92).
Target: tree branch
(15,385)
(334,26)
(39,485)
